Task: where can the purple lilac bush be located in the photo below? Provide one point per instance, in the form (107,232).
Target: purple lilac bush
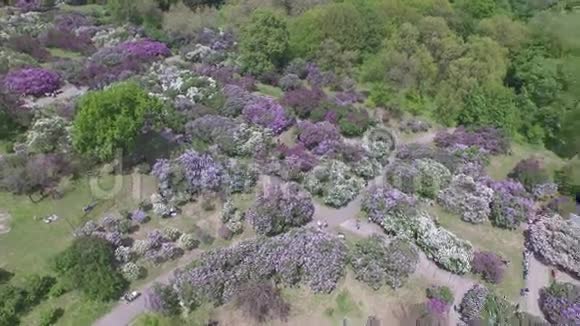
(489,265)
(511,204)
(378,202)
(560,303)
(296,158)
(70,21)
(318,137)
(473,303)
(279,208)
(308,256)
(31,81)
(29,5)
(303,100)
(490,139)
(267,113)
(530,172)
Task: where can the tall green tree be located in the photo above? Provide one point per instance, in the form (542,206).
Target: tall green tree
(88,265)
(111,119)
(263,43)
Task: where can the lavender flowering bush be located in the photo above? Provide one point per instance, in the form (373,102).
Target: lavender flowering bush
(303,100)
(279,208)
(557,242)
(316,136)
(489,265)
(467,197)
(425,177)
(377,263)
(490,139)
(31,81)
(380,202)
(308,256)
(560,303)
(440,299)
(267,113)
(511,204)
(530,173)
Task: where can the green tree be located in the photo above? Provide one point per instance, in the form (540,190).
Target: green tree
(263,43)
(50,316)
(568,178)
(478,9)
(332,57)
(569,134)
(88,265)
(511,34)
(111,119)
(490,105)
(37,288)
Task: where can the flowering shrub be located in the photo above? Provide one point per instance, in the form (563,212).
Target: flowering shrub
(490,139)
(144,50)
(114,35)
(530,173)
(310,256)
(70,21)
(139,216)
(28,23)
(443,247)
(67,40)
(170,83)
(560,303)
(29,5)
(489,265)
(473,303)
(414,125)
(511,204)
(31,81)
(348,98)
(556,242)
(303,100)
(232,218)
(318,78)
(545,191)
(48,135)
(230,136)
(279,208)
(132,272)
(467,197)
(162,299)
(236,99)
(425,177)
(267,113)
(10,59)
(298,67)
(376,263)
(297,158)
(315,136)
(394,212)
(289,82)
(124,254)
(334,181)
(187,241)
(30,46)
(171,233)
(440,299)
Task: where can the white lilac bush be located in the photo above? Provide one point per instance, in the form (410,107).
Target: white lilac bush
(169,82)
(306,255)
(48,135)
(114,35)
(29,23)
(187,241)
(335,182)
(473,303)
(232,217)
(443,247)
(467,197)
(132,272)
(397,214)
(433,176)
(557,242)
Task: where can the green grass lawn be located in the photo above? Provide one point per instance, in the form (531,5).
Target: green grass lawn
(155,320)
(90,9)
(64,53)
(500,166)
(30,245)
(506,243)
(270,90)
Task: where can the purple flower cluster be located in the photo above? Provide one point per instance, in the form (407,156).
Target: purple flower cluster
(348,98)
(318,78)
(530,172)
(268,113)
(491,139)
(279,208)
(70,21)
(166,251)
(201,171)
(560,303)
(301,255)
(31,81)
(29,5)
(489,265)
(67,40)
(139,216)
(319,137)
(437,306)
(511,204)
(380,201)
(303,100)
(216,40)
(297,157)
(144,50)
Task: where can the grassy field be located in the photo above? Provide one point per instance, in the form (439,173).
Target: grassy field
(506,243)
(500,166)
(60,53)
(264,89)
